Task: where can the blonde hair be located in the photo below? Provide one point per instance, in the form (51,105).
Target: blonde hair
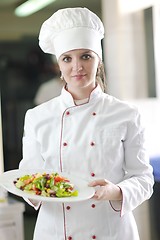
(101,78)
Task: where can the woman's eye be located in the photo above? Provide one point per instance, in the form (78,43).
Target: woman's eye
(86,56)
(66,59)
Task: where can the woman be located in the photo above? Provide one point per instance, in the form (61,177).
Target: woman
(89,133)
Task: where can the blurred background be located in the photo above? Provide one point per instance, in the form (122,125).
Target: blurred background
(131,53)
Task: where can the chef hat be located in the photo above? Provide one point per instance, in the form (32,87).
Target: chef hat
(69,29)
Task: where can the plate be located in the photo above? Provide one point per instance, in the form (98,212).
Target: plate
(84,191)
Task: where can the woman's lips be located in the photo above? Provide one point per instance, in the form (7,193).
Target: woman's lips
(79,76)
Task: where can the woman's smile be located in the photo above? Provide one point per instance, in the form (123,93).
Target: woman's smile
(79,76)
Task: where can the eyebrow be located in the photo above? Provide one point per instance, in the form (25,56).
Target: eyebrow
(67,54)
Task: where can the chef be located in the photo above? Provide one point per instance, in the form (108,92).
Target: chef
(88,133)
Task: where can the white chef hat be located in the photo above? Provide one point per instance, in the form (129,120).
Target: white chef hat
(69,29)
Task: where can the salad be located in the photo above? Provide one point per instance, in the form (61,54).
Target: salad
(46,184)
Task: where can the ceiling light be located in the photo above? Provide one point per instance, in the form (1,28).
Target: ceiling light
(31,6)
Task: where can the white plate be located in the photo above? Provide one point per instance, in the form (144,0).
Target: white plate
(84,191)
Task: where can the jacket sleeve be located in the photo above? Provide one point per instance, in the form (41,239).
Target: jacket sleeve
(137,185)
(32,158)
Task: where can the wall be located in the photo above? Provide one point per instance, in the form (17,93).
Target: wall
(125,52)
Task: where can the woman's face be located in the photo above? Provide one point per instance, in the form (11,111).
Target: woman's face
(79,68)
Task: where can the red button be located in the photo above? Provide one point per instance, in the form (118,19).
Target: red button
(68,207)
(69,238)
(92,174)
(93,205)
(67,113)
(93,237)
(92,143)
(64,144)
(93,113)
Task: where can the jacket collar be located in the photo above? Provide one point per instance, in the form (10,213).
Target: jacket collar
(69,101)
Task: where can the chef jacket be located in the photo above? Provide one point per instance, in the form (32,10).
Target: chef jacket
(101,139)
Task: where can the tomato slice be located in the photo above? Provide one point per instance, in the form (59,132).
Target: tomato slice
(60,179)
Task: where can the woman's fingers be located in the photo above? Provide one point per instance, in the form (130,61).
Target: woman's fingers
(106,190)
(99,182)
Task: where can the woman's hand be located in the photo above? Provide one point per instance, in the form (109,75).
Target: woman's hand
(106,190)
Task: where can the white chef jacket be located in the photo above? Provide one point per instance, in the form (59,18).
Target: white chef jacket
(101,139)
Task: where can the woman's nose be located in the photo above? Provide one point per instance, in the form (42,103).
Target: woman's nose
(77,66)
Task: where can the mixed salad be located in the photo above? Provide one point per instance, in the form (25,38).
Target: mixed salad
(47,185)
